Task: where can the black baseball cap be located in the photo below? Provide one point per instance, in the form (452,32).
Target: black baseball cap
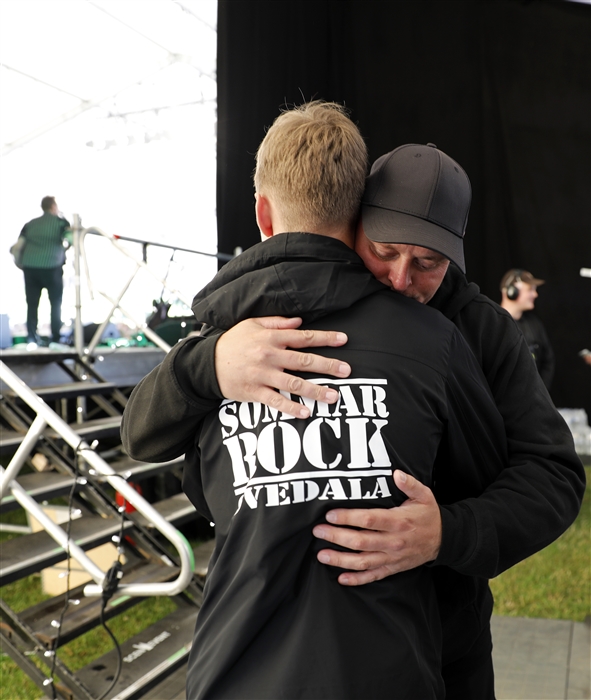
(418,195)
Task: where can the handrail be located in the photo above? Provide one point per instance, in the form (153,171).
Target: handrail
(47,415)
(23,451)
(53,529)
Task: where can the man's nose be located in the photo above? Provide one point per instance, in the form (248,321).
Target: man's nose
(400,276)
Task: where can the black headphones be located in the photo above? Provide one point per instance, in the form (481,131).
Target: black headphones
(512,290)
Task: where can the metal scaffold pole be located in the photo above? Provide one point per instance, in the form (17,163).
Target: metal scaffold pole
(78,328)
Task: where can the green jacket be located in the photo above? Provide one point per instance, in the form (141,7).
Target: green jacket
(44,236)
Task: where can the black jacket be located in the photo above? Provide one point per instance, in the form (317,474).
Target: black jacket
(539,345)
(539,495)
(275,622)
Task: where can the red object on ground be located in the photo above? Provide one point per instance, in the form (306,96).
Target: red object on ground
(122,502)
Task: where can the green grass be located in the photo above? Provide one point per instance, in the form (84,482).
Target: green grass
(15,684)
(556,582)
(22,594)
(86,648)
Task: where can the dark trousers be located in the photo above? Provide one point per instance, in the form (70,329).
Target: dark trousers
(37,279)
(467,653)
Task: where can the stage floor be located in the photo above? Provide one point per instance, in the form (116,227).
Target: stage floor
(121,366)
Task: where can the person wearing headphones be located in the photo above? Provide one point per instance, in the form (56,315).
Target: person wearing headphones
(519,293)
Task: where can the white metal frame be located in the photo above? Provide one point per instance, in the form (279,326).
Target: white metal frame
(96,465)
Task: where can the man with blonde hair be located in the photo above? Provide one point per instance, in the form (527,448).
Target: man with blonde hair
(331,187)
(275,622)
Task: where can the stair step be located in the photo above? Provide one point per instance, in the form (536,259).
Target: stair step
(80,618)
(177,509)
(89,430)
(28,554)
(9,440)
(172,688)
(46,485)
(42,486)
(148,658)
(69,390)
(18,355)
(143,470)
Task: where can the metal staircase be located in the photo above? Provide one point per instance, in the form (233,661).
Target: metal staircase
(61,441)
(72,431)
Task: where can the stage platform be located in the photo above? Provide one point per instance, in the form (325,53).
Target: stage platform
(123,367)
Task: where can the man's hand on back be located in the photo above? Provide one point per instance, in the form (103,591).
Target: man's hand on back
(250,360)
(389,541)
(251,356)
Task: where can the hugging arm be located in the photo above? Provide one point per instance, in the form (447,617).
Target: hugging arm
(508,513)
(498,512)
(472,453)
(162,414)
(251,357)
(165,408)
(531,501)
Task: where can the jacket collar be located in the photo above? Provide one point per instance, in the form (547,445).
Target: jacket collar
(454,293)
(290,274)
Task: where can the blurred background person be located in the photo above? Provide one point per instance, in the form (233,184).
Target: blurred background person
(42,262)
(519,293)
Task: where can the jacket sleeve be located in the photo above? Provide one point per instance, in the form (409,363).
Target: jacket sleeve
(164,410)
(472,454)
(537,495)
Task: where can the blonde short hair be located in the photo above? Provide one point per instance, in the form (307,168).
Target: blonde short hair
(313,162)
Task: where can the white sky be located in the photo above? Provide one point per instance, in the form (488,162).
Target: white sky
(138,159)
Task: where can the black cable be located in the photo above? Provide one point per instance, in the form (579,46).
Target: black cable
(56,641)
(110,583)
(109,587)
(117,648)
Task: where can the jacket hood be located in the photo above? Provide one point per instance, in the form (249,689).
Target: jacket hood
(454,293)
(314,274)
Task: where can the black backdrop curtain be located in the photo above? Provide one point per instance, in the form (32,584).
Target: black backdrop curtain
(503,86)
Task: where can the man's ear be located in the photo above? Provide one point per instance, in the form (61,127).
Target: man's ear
(264,216)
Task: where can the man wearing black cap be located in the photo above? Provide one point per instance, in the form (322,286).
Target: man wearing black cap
(425,195)
(408,212)
(422,194)
(519,291)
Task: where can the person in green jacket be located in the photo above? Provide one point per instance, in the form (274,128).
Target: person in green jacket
(43,259)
